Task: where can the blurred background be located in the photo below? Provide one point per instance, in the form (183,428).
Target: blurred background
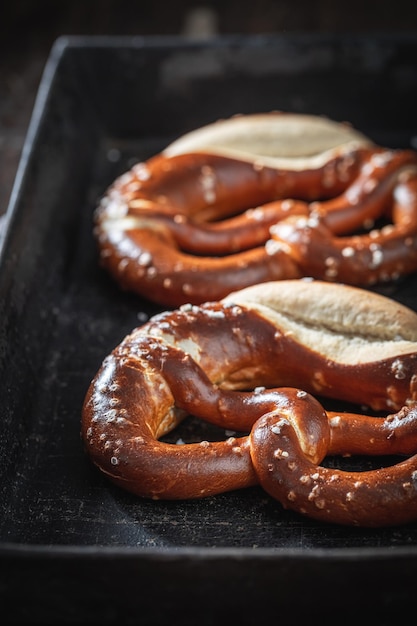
(28,29)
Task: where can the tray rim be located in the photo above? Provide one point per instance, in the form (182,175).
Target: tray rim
(357,554)
(51,69)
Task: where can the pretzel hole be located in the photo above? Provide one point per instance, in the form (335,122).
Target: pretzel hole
(194,430)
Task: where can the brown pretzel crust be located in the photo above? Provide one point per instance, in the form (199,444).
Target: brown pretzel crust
(379,254)
(382,497)
(260,353)
(260,198)
(193,223)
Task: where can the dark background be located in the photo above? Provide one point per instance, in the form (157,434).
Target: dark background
(28,29)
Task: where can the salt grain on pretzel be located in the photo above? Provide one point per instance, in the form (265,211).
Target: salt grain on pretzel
(257,357)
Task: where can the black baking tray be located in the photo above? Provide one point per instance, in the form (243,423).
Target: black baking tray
(74,548)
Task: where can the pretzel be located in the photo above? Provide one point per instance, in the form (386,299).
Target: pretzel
(198,220)
(246,363)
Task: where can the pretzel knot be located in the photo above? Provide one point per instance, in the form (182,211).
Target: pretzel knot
(291,472)
(254,363)
(259,198)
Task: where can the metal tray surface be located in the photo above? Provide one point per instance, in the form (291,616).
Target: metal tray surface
(73,548)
